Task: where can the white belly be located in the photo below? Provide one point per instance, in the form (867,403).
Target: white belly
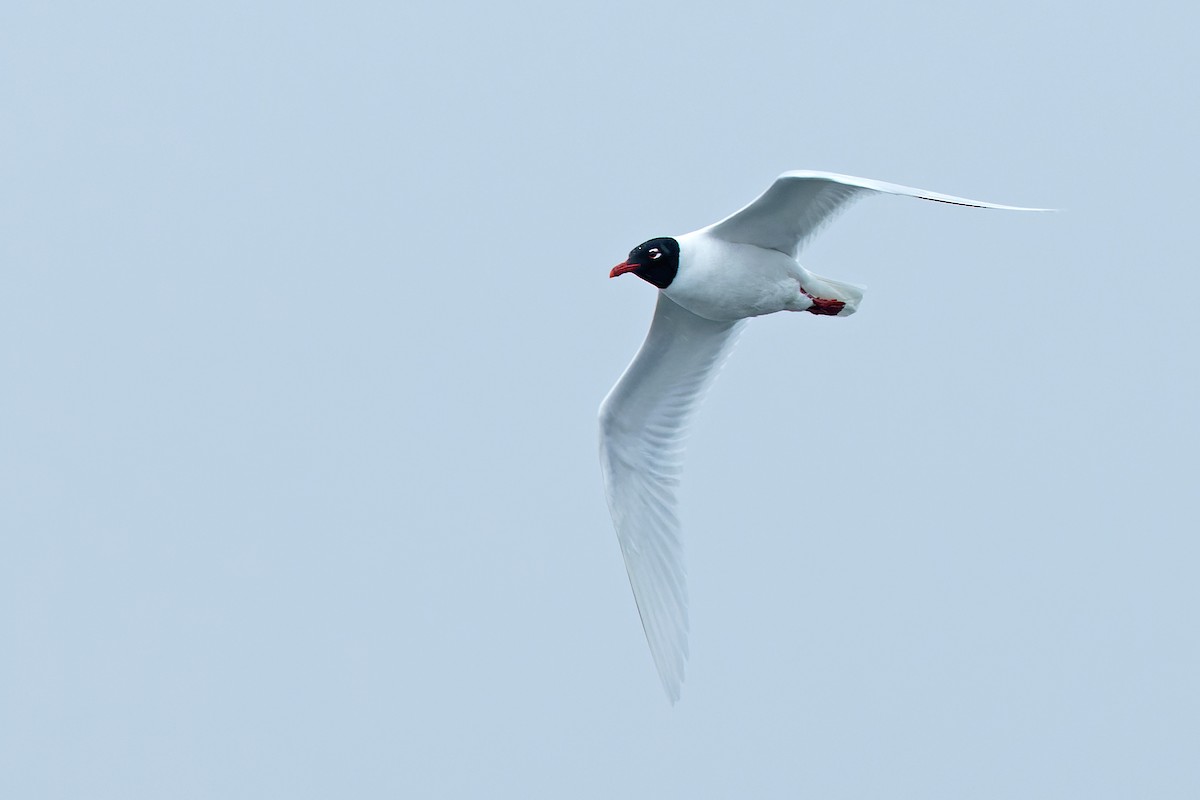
(722,280)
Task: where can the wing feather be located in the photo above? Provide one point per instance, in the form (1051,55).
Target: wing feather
(801,202)
(643,429)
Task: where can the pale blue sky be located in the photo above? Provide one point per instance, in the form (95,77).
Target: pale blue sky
(305,318)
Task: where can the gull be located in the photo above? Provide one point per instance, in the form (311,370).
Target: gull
(710,281)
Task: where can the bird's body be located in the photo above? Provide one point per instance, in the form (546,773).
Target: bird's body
(763,281)
(709,282)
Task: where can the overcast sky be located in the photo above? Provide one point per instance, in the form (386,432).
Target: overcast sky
(305,319)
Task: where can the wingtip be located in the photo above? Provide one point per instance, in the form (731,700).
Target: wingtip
(671,679)
(951,200)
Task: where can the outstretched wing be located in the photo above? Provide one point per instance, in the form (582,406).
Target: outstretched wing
(643,428)
(799,203)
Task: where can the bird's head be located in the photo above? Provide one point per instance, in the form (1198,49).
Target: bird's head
(655,261)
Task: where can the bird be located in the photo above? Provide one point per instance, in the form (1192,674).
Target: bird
(709,282)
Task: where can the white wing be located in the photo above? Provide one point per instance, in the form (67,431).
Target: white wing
(799,203)
(643,428)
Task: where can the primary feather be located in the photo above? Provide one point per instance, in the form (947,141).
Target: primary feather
(643,423)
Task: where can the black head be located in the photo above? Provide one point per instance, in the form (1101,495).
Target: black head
(655,261)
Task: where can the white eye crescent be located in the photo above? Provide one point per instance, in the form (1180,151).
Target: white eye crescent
(655,253)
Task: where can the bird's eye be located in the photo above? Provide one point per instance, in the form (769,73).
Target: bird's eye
(655,253)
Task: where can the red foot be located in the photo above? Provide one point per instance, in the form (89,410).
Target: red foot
(825,307)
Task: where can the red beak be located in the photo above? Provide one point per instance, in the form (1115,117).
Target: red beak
(622,268)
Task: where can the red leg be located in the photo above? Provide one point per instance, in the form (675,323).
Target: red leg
(824,307)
